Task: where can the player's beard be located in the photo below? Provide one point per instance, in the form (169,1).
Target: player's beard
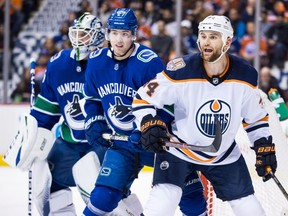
(213,57)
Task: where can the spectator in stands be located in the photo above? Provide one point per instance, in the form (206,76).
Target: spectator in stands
(162,43)
(265,23)
(28,7)
(277,36)
(84,6)
(249,11)
(22,91)
(16,16)
(150,14)
(62,35)
(223,7)
(40,69)
(72,15)
(248,46)
(238,25)
(188,39)
(50,47)
(104,12)
(268,81)
(144,30)
(170,24)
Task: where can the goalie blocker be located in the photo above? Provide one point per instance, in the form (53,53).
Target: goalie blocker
(31,142)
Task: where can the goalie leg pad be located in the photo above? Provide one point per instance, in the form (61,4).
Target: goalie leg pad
(61,203)
(41,180)
(29,143)
(85,173)
(248,205)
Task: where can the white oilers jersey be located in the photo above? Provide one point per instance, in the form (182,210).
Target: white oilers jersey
(199,99)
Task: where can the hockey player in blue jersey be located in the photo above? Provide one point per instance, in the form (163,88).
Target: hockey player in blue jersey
(113,76)
(204,88)
(71,160)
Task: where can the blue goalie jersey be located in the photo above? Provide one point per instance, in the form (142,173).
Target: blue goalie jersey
(60,93)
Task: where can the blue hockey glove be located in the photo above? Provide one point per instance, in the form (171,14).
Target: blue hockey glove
(134,139)
(154,134)
(95,127)
(265,157)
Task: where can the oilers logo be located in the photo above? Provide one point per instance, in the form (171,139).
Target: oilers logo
(205,117)
(120,115)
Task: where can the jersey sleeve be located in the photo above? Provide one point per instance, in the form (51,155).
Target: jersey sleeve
(255,118)
(154,95)
(46,108)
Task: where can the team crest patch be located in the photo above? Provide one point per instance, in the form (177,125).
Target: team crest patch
(146,55)
(175,64)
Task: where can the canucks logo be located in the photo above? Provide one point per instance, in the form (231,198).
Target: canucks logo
(73,113)
(121,115)
(205,117)
(146,55)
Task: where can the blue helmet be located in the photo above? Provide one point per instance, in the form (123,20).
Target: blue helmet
(123,19)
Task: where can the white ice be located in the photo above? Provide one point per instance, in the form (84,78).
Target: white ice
(14,192)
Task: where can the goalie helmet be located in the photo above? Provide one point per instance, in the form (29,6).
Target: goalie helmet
(122,19)
(86,35)
(217,23)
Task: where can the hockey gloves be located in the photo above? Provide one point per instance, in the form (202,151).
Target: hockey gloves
(265,157)
(154,134)
(95,127)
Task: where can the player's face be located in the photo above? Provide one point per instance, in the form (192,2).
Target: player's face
(210,45)
(81,37)
(120,40)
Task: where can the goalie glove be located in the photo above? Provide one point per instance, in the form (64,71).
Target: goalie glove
(265,157)
(153,133)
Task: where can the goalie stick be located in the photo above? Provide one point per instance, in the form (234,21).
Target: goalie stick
(213,147)
(282,189)
(32,100)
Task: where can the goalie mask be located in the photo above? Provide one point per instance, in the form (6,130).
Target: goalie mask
(86,35)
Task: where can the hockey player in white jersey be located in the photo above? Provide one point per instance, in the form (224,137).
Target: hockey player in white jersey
(211,90)
(72,161)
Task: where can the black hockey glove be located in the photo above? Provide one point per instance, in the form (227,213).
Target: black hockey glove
(154,134)
(265,157)
(95,129)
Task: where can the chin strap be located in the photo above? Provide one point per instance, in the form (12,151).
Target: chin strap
(112,51)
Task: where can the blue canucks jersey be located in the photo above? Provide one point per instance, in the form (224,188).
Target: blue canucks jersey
(60,93)
(113,93)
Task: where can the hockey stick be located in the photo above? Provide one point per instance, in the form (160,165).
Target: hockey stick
(213,147)
(32,100)
(282,189)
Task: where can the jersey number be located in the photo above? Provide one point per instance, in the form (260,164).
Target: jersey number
(151,88)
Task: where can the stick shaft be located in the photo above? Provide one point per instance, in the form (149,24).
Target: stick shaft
(32,101)
(280,186)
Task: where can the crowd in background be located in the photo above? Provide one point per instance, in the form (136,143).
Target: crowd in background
(157,29)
